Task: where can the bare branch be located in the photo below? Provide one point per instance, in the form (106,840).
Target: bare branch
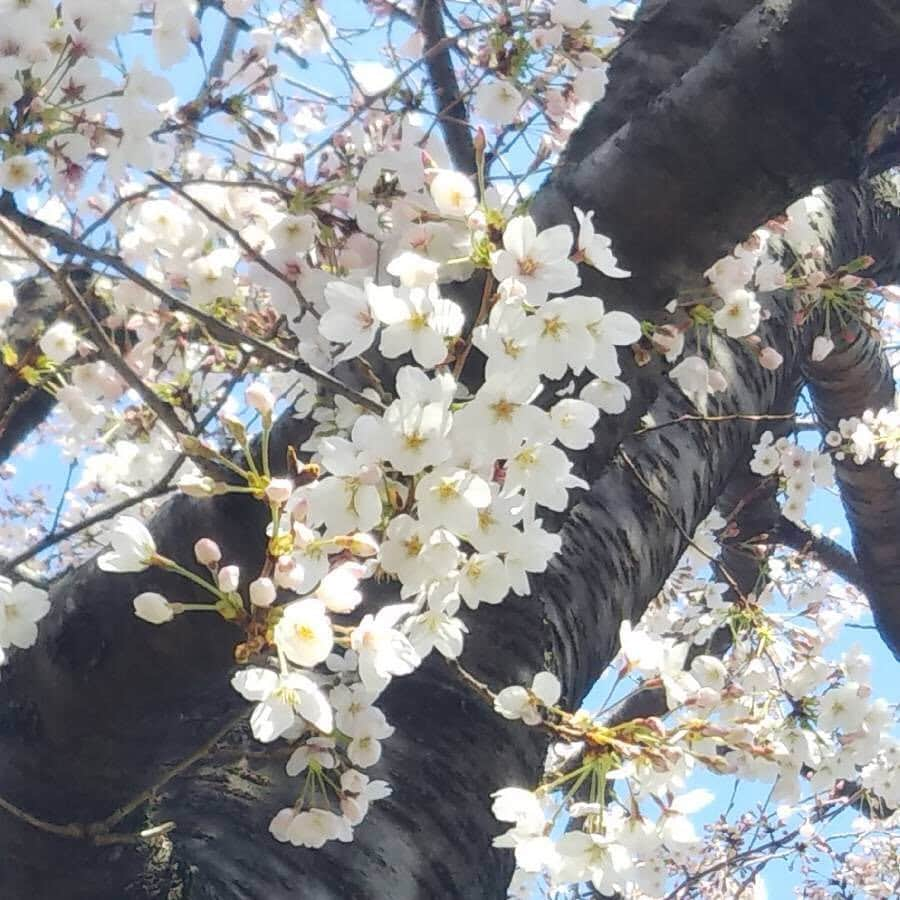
(451,109)
(831,554)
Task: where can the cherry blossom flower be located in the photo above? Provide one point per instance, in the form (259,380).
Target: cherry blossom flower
(304,632)
(315,827)
(349,318)
(418,321)
(359,792)
(437,627)
(17,172)
(597,248)
(133,547)
(317,750)
(498,102)
(608,394)
(153,608)
(364,750)
(453,193)
(696,379)
(451,498)
(59,341)
(740,314)
(280,699)
(540,261)
(518,703)
(21,607)
(382,650)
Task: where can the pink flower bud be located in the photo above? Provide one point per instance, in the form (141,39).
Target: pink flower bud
(370,474)
(262,592)
(770,358)
(229,578)
(207,552)
(288,574)
(279,489)
(260,398)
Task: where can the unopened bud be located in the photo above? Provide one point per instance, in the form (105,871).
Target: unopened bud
(770,358)
(262,592)
(289,574)
(279,489)
(207,552)
(260,398)
(197,486)
(229,578)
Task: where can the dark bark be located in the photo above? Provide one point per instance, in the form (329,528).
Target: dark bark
(780,103)
(831,554)
(450,107)
(855,377)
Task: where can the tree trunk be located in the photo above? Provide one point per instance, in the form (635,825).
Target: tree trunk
(104,704)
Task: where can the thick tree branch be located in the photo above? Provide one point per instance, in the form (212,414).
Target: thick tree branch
(779,104)
(648,62)
(855,377)
(451,108)
(830,553)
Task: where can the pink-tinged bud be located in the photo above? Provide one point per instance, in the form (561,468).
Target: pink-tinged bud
(260,398)
(229,578)
(770,358)
(262,592)
(288,574)
(279,489)
(370,474)
(815,279)
(207,552)
(298,508)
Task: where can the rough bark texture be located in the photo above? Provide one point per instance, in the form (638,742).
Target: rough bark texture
(105,703)
(855,377)
(133,699)
(780,103)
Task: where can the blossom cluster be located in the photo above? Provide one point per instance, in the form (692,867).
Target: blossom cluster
(873,435)
(773,709)
(22,606)
(799,470)
(441,490)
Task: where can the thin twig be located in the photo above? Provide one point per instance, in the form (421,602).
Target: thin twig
(688,417)
(100,832)
(237,237)
(62,497)
(218,329)
(668,510)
